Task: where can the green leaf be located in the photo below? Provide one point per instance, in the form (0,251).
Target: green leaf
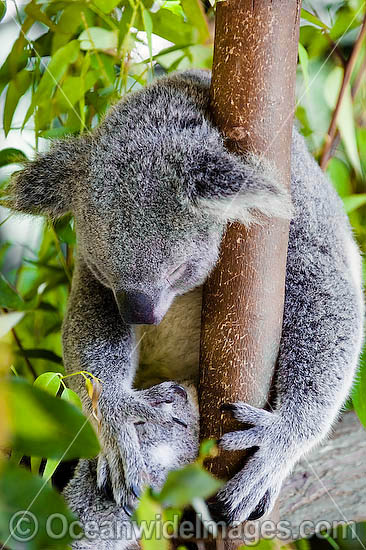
(9,321)
(96,38)
(149,516)
(53,73)
(72,397)
(339,174)
(106,6)
(16,90)
(207,447)
(186,484)
(22,491)
(345,21)
(11,299)
(196,16)
(305,14)
(16,61)
(11,156)
(359,391)
(2,9)
(50,468)
(43,425)
(352,202)
(173,27)
(48,381)
(35,12)
(304,64)
(57,133)
(345,120)
(73,88)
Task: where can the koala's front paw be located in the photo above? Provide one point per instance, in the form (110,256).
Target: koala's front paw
(121,471)
(253,491)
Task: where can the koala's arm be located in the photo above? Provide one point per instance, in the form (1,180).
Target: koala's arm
(323,315)
(96,339)
(320,344)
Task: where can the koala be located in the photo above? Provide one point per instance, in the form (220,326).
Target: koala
(107,525)
(151,191)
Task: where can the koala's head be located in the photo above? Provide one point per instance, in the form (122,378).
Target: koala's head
(151,191)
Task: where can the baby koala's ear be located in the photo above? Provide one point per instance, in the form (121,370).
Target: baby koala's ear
(46,184)
(243,189)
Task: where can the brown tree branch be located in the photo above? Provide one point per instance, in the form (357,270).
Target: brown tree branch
(346,79)
(252,104)
(354,91)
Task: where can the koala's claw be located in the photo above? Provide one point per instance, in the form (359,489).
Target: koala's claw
(180,390)
(129,511)
(180,422)
(249,415)
(252,492)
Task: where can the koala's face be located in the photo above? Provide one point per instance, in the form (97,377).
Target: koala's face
(151,191)
(144,242)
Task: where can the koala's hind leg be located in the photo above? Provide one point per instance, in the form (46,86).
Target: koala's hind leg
(108,526)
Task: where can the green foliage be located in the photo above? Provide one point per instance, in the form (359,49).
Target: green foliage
(69,61)
(59,429)
(27,503)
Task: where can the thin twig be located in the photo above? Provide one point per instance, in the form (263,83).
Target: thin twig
(355,88)
(19,344)
(346,79)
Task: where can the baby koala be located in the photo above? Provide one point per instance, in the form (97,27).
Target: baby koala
(107,525)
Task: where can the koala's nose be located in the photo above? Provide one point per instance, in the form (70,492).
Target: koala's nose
(137,308)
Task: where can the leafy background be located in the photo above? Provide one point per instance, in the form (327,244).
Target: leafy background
(63,62)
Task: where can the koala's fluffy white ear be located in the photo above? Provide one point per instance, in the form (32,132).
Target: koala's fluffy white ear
(241,189)
(45,185)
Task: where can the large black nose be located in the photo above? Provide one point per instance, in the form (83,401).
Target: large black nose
(137,308)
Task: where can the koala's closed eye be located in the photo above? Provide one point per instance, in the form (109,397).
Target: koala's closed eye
(177,273)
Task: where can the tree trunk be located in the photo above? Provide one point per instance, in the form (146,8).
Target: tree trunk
(252,101)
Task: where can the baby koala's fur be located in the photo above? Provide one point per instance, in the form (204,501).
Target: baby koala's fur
(151,191)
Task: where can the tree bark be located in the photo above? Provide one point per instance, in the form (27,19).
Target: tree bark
(330,484)
(252,101)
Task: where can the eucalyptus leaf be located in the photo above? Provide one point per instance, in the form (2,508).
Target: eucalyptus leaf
(96,38)
(26,504)
(58,429)
(190,482)
(16,90)
(11,156)
(11,299)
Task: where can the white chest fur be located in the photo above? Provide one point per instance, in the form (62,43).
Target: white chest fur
(170,351)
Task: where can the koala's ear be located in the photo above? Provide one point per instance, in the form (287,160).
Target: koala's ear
(241,189)
(45,185)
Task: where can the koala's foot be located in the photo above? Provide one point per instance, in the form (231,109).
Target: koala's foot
(122,472)
(253,491)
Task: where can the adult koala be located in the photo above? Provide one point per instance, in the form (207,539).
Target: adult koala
(151,191)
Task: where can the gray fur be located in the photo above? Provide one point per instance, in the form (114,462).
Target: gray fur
(151,189)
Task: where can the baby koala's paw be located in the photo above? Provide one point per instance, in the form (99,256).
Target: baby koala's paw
(252,492)
(122,472)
